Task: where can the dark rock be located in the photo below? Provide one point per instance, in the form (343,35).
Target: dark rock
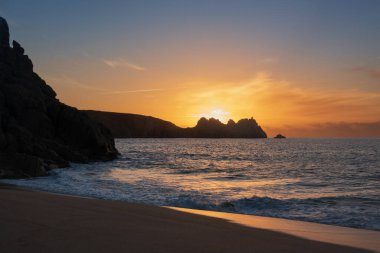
(17,48)
(125,125)
(37,131)
(231,123)
(279,136)
(209,128)
(16,165)
(4,33)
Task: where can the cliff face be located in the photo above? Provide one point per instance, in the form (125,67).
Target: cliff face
(37,131)
(124,125)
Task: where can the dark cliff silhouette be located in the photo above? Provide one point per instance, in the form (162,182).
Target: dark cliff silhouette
(37,131)
(126,125)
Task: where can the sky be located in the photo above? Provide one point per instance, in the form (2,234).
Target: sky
(300,68)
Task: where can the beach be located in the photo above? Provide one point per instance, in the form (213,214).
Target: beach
(190,126)
(33,221)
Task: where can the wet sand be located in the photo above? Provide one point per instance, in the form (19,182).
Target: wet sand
(32,221)
(358,238)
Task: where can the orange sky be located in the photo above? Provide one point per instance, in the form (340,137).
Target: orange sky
(296,67)
(276,104)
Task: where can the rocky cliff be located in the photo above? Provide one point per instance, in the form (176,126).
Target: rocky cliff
(125,125)
(37,131)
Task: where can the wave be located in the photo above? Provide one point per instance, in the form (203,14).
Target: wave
(346,211)
(92,181)
(349,211)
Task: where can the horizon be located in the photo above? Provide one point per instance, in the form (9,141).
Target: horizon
(190,126)
(334,134)
(302,69)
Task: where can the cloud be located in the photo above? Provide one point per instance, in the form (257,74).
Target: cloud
(66,80)
(116,63)
(131,91)
(371,72)
(375,73)
(275,102)
(271,60)
(329,129)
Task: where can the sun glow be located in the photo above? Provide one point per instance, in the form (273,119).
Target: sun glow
(219,114)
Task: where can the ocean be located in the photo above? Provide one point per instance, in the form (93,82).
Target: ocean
(331,181)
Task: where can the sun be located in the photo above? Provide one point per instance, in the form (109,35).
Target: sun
(217,113)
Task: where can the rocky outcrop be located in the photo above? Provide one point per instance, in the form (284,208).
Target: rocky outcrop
(279,136)
(125,125)
(213,128)
(37,131)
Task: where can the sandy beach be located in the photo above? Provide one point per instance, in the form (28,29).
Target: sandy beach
(34,221)
(190,126)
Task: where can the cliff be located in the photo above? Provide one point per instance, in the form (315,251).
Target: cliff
(37,131)
(125,125)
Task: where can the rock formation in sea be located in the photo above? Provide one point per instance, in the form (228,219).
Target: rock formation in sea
(126,125)
(37,131)
(279,136)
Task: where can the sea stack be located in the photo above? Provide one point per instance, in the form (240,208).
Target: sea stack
(37,131)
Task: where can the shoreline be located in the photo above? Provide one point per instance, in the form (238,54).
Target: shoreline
(34,221)
(206,212)
(354,237)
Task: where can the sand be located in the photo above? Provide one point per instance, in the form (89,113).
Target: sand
(358,238)
(32,221)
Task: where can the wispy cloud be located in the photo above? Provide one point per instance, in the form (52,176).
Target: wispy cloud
(271,60)
(276,101)
(116,63)
(130,91)
(371,72)
(329,129)
(66,80)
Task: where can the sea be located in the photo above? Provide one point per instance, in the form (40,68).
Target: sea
(330,181)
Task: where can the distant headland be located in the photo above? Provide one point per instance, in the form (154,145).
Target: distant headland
(126,125)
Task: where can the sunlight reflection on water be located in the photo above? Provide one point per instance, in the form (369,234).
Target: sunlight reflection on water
(333,181)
